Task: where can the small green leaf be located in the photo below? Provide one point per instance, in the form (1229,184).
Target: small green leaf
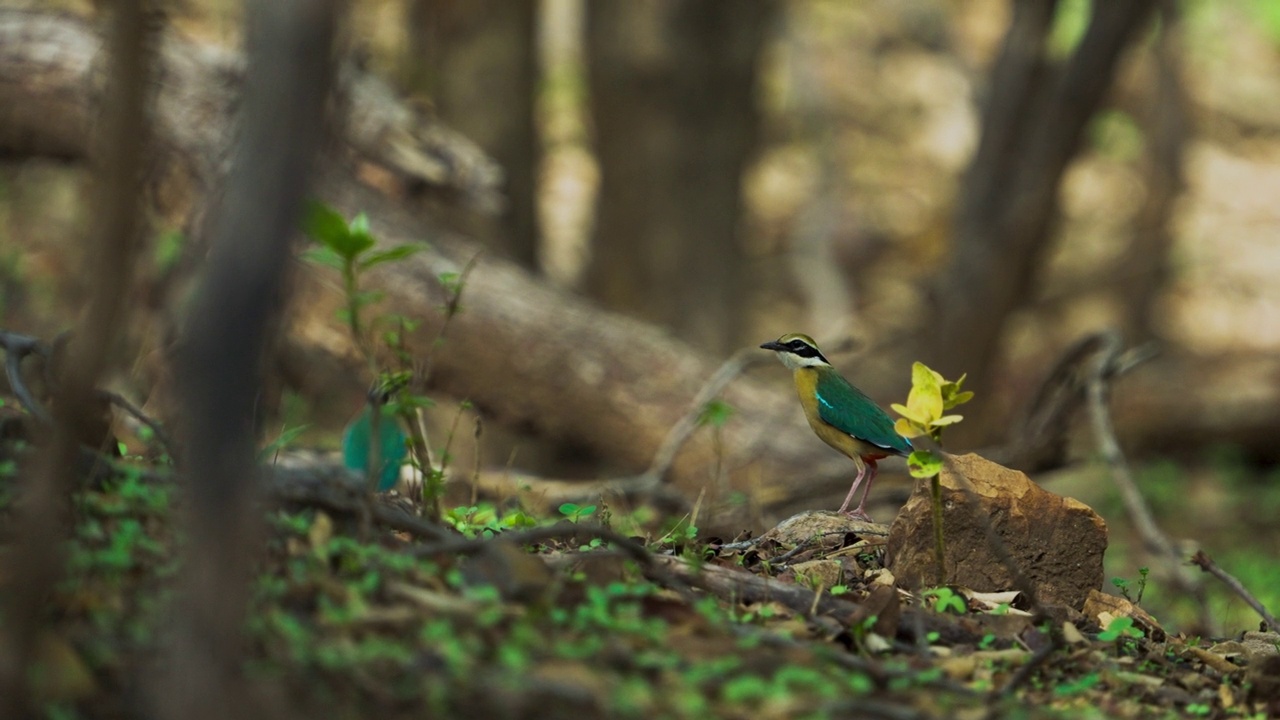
(286,436)
(924,464)
(450,281)
(324,255)
(1118,628)
(394,254)
(168,250)
(946,420)
(359,224)
(716,413)
(368,297)
(325,225)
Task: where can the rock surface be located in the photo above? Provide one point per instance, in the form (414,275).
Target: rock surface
(1058,542)
(824,528)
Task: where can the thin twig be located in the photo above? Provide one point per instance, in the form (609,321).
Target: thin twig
(451,308)
(565,530)
(421,443)
(1030,667)
(397,519)
(121,402)
(1206,563)
(1037,438)
(1157,543)
(679,433)
(475,460)
(17,347)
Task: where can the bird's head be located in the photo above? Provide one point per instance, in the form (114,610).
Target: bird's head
(797,351)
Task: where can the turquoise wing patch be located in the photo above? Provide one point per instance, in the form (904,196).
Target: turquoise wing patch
(846,408)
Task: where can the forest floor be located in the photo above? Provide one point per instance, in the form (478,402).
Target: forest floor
(602,614)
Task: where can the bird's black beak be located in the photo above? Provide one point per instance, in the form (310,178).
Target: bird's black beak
(773,345)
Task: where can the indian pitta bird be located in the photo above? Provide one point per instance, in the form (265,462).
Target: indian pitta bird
(840,414)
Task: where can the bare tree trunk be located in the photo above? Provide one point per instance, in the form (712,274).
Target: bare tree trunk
(219,359)
(477,61)
(1167,120)
(1033,119)
(35,565)
(672,96)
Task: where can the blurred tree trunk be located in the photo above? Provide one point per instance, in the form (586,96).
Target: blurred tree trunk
(672,89)
(1035,113)
(477,61)
(1164,113)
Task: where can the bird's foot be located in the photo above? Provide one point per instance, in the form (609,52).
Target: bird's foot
(857,514)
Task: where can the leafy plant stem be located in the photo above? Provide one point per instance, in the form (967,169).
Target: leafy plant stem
(451,308)
(350,290)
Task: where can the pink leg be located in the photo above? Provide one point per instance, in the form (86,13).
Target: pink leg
(862,471)
(859,512)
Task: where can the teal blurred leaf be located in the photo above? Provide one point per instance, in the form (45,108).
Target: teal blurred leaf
(357,441)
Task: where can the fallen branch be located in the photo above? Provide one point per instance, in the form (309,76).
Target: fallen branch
(649,484)
(1037,440)
(566,530)
(1107,362)
(684,427)
(1029,668)
(742,586)
(16,347)
(338,489)
(1206,563)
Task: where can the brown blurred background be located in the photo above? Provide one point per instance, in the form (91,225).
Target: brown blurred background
(859,171)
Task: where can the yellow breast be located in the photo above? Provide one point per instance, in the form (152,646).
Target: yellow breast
(806,380)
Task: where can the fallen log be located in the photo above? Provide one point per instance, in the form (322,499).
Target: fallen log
(527,354)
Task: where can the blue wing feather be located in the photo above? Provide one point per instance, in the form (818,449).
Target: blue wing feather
(846,408)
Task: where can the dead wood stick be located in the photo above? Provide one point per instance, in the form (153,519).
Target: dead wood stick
(650,481)
(1098,388)
(738,585)
(684,427)
(565,530)
(16,347)
(1206,563)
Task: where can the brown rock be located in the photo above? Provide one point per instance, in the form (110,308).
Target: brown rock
(1056,541)
(1099,603)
